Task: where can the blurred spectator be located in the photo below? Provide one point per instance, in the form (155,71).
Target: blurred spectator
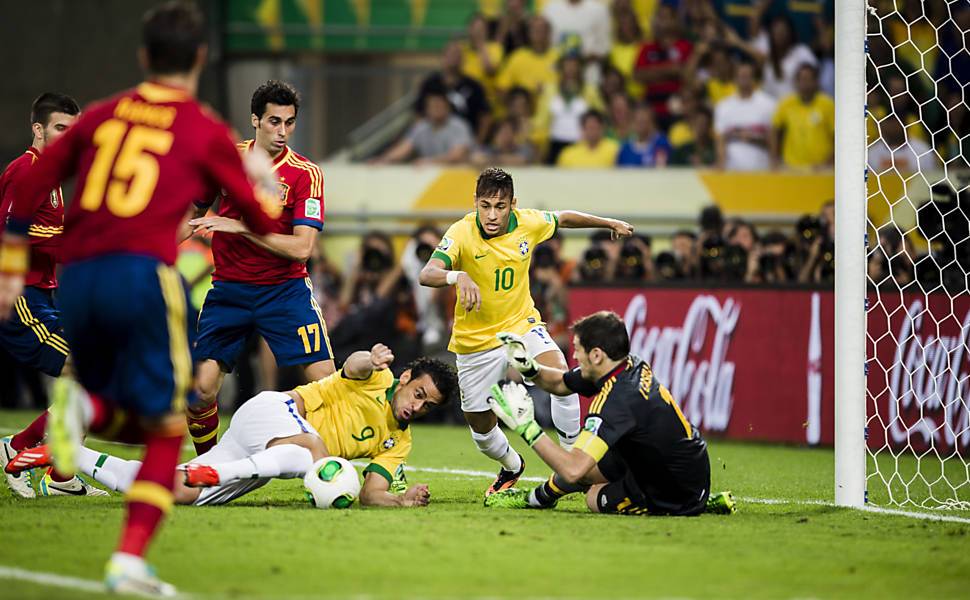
(891,263)
(701,151)
(512,28)
(594,150)
(660,64)
(951,144)
(585,23)
(467,96)
(635,263)
(892,150)
(825,50)
(532,66)
(647,146)
(562,107)
(805,123)
(743,125)
(683,106)
(327,284)
(774,256)
(611,84)
(782,55)
(378,304)
(626,47)
(439,138)
(432,324)
(520,108)
(504,147)
(548,287)
(683,248)
(620,117)
(481,57)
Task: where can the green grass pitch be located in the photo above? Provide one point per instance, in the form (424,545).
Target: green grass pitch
(271,544)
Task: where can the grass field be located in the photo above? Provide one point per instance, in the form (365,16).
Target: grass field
(783,543)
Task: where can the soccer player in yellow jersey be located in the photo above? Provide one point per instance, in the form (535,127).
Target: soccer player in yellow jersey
(487,255)
(360,411)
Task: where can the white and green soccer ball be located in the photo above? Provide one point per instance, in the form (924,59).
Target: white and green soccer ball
(332,482)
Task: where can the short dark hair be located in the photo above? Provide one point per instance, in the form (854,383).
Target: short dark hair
(809,66)
(442,375)
(277,92)
(172,34)
(494,181)
(49,103)
(592,114)
(604,330)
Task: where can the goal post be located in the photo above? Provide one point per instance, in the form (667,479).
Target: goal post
(850,253)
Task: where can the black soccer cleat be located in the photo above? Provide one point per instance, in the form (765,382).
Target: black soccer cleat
(506,479)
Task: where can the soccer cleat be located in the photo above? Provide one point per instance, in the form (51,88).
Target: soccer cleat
(129,574)
(506,479)
(197,475)
(72,487)
(65,426)
(722,503)
(18,482)
(508,498)
(29,458)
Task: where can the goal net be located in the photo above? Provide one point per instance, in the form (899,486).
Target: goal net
(918,253)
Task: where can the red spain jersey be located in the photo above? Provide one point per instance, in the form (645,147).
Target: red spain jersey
(48,222)
(141,158)
(301,199)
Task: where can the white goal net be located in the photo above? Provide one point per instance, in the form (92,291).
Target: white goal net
(918,253)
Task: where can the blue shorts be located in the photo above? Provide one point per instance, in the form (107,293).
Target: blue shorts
(286,315)
(126,318)
(33,334)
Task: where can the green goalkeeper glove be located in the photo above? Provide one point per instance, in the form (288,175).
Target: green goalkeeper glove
(517,354)
(512,404)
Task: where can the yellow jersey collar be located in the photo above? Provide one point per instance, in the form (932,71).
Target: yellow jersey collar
(513,223)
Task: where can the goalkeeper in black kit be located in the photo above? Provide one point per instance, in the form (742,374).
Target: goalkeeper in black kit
(636,455)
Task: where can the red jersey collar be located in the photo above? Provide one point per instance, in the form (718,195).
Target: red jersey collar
(616,371)
(276,162)
(33,151)
(158,93)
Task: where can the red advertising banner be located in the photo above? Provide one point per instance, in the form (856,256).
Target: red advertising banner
(758,364)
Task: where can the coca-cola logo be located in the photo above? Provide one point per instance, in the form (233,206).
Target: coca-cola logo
(687,359)
(928,384)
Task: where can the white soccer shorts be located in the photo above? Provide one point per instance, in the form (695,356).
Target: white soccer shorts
(265,417)
(478,371)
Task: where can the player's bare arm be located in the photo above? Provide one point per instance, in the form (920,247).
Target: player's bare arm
(375,492)
(362,363)
(435,274)
(296,247)
(573,219)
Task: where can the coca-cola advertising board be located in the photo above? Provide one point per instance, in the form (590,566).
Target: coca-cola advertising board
(758,364)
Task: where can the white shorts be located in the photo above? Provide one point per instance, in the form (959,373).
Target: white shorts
(479,371)
(265,417)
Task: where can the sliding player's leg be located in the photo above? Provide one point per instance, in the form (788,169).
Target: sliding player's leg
(565,409)
(476,374)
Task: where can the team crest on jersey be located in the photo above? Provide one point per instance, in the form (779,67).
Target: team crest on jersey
(54,199)
(445,243)
(593,424)
(389,443)
(284,190)
(523,247)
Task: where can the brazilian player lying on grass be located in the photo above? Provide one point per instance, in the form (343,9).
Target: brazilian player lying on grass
(636,454)
(359,411)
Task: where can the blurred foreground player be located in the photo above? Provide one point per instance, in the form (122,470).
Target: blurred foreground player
(141,159)
(261,283)
(34,336)
(637,453)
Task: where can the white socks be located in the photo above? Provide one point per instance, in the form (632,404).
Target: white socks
(285,461)
(496,446)
(565,417)
(110,471)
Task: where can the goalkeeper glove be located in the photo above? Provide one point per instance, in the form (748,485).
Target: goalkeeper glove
(513,406)
(517,354)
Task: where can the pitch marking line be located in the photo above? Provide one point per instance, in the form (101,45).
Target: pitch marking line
(52,579)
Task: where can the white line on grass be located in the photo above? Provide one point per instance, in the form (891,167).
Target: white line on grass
(52,579)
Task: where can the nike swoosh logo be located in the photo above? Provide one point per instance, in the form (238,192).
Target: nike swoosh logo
(477,256)
(80,492)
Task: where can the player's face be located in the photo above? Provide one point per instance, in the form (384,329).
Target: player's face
(414,398)
(582,359)
(56,126)
(494,213)
(275,127)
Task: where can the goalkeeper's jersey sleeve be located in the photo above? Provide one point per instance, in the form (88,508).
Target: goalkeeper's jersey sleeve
(499,265)
(355,419)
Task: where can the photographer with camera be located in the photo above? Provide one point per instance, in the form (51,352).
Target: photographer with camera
(431,303)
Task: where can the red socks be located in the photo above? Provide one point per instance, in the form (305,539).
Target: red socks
(150,496)
(32,435)
(204,427)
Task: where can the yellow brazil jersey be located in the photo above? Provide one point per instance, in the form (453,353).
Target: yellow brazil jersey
(581,156)
(499,265)
(809,136)
(530,70)
(355,419)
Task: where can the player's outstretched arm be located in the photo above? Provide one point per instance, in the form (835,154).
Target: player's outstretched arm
(434,274)
(375,492)
(362,363)
(573,219)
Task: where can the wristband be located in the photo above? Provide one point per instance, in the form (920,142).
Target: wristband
(452,277)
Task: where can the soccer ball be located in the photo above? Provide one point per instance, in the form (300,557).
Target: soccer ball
(331,482)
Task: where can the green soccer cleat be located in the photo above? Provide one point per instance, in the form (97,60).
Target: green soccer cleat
(129,574)
(65,427)
(508,498)
(722,503)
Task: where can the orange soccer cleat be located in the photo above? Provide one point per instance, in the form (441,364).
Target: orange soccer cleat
(29,458)
(197,475)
